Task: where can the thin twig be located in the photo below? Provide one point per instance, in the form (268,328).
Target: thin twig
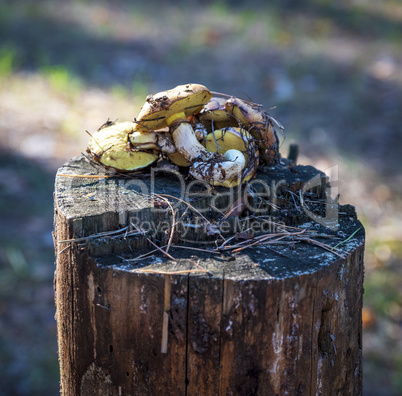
(282,226)
(170,273)
(173,221)
(213,132)
(197,249)
(257,242)
(194,209)
(275,251)
(144,256)
(64,249)
(231,96)
(199,266)
(103,234)
(87,176)
(141,123)
(249,242)
(161,250)
(323,246)
(94,140)
(157,247)
(186,203)
(226,242)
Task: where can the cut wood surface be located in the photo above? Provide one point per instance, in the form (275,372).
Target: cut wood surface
(147,308)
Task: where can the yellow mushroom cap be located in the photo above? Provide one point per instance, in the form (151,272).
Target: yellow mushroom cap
(178,159)
(111,147)
(161,109)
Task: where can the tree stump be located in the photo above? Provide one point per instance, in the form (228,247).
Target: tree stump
(164,287)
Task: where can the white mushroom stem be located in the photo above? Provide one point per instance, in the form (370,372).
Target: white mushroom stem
(152,141)
(232,165)
(211,167)
(187,143)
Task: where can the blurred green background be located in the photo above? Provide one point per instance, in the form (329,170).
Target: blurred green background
(331,71)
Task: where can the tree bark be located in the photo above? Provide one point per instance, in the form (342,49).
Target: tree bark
(267,320)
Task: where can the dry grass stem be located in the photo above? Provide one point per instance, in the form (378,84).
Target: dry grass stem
(173,221)
(192,208)
(104,234)
(198,266)
(144,256)
(86,176)
(161,250)
(171,272)
(196,249)
(63,249)
(152,243)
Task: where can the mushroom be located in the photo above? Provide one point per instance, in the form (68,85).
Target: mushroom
(225,173)
(259,124)
(211,166)
(178,159)
(200,131)
(215,116)
(172,108)
(226,139)
(175,121)
(162,109)
(112,147)
(200,134)
(152,140)
(186,142)
(222,140)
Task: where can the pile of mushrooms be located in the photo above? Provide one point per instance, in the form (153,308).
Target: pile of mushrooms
(221,139)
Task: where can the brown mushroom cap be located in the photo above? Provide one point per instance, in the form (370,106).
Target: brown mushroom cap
(160,109)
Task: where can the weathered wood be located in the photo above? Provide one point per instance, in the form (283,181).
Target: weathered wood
(262,321)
